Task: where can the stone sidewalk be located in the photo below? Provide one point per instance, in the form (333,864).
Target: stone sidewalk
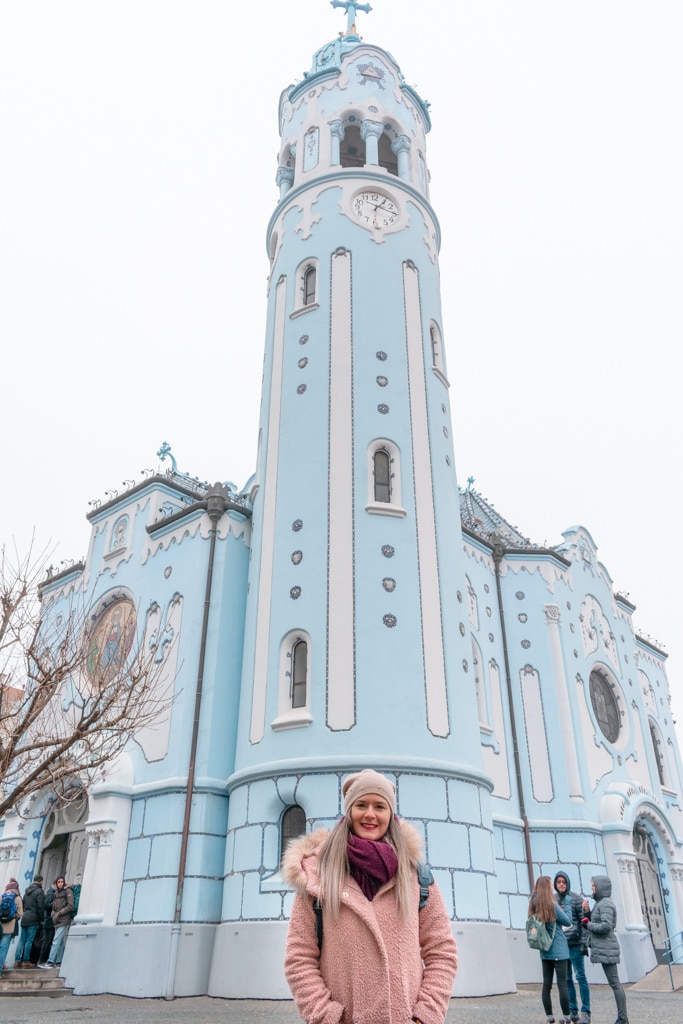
(524,1007)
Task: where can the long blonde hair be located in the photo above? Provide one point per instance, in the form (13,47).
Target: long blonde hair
(333,865)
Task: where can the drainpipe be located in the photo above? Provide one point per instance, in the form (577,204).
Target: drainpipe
(498,555)
(216,504)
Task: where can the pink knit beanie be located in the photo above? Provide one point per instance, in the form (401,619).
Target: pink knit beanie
(368,781)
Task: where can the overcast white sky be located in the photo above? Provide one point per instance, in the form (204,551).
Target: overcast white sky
(138,147)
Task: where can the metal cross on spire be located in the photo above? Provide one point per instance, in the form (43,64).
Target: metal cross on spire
(351,6)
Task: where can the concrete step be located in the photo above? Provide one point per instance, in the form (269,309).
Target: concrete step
(31,981)
(659,980)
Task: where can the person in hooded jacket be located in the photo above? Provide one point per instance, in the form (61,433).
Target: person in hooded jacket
(378,958)
(31,919)
(7,927)
(572,903)
(48,927)
(62,907)
(601,923)
(555,960)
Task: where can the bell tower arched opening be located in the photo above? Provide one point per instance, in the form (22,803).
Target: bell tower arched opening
(352,150)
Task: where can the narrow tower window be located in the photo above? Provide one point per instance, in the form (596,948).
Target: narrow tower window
(299,674)
(294,690)
(384,475)
(435,339)
(658,752)
(382,471)
(309,284)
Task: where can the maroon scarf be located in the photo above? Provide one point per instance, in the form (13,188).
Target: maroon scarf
(372,863)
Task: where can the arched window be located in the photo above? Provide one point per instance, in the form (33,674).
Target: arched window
(299,674)
(292,825)
(658,749)
(387,158)
(437,349)
(384,477)
(352,151)
(480,684)
(309,285)
(382,473)
(294,683)
(306,288)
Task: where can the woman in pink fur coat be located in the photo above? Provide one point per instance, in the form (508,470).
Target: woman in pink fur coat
(382,959)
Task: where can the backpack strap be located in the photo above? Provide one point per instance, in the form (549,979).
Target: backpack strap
(425,878)
(318,911)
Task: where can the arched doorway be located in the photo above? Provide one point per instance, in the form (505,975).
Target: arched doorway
(65,843)
(650,889)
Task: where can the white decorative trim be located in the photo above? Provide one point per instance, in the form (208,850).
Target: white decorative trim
(304,309)
(430,596)
(385,508)
(341,682)
(295,718)
(262,639)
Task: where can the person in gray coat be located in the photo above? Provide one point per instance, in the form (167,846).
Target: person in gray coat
(601,923)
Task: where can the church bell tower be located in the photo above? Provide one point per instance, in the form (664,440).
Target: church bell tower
(355,650)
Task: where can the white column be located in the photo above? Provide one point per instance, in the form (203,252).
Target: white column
(676,871)
(284,180)
(401,147)
(628,883)
(336,136)
(88,904)
(10,859)
(552,618)
(370,132)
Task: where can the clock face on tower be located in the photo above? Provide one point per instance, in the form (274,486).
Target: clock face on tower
(375,209)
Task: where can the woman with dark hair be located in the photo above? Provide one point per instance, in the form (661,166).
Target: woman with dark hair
(554,960)
(379,949)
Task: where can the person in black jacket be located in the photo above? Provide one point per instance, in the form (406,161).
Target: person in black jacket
(572,904)
(601,922)
(48,927)
(31,919)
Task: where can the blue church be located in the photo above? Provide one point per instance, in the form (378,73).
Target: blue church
(352,606)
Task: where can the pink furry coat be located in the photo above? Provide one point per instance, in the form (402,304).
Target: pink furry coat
(373,968)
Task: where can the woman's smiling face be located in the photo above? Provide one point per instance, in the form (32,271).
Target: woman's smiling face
(370,816)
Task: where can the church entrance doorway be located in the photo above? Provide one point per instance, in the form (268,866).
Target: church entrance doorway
(650,890)
(65,843)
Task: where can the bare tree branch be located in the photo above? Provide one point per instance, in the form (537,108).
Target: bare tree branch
(74,688)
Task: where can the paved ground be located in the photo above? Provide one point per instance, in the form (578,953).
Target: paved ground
(522,1008)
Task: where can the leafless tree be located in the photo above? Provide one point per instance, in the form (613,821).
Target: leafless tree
(71,697)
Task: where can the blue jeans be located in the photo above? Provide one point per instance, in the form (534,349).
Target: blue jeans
(26,937)
(577,962)
(57,947)
(5,942)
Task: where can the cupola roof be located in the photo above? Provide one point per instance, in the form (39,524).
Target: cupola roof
(478,516)
(330,57)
